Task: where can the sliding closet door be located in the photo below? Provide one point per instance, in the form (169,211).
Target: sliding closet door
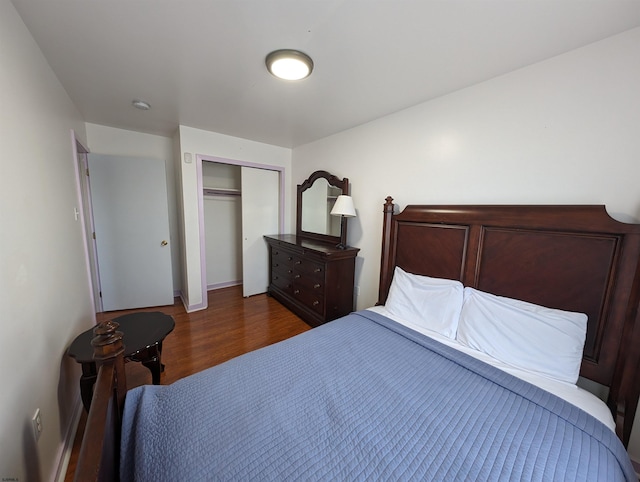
(260,216)
(130,211)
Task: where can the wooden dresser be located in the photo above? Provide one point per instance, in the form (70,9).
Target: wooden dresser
(314,279)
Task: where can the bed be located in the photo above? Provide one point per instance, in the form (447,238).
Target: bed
(388,394)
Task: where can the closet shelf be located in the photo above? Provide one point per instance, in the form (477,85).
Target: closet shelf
(218,191)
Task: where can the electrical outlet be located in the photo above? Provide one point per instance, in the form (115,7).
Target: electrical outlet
(36,421)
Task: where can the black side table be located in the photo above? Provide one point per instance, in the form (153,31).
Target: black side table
(143,334)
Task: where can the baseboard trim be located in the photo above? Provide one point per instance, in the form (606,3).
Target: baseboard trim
(225,284)
(64,454)
(191,308)
(183,300)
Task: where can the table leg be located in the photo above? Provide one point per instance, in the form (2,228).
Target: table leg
(160,355)
(153,365)
(150,358)
(87,380)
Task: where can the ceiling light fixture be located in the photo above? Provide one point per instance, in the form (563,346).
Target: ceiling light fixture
(289,64)
(141,104)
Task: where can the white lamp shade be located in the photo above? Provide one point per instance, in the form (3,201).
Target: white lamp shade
(344,207)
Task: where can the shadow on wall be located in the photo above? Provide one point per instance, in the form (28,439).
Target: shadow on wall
(31,459)
(68,392)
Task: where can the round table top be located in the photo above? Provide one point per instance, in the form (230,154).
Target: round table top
(139,331)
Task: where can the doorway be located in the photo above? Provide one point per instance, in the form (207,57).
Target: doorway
(85,216)
(131,231)
(237,207)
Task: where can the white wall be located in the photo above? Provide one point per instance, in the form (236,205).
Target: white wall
(44,289)
(566,130)
(198,142)
(120,142)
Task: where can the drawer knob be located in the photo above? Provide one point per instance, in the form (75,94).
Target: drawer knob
(298,262)
(297,276)
(317,285)
(295,292)
(289,258)
(317,270)
(290,271)
(276,277)
(275,265)
(316,303)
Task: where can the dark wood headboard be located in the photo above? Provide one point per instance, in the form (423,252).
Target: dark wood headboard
(574,258)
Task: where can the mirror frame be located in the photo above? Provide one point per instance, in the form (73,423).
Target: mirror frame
(342,184)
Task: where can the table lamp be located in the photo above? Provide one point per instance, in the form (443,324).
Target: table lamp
(345,209)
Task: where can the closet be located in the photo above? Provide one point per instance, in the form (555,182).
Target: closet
(240,205)
(222,224)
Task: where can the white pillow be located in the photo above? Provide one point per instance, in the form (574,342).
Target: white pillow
(424,302)
(524,335)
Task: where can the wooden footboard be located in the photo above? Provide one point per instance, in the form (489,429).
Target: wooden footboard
(100,450)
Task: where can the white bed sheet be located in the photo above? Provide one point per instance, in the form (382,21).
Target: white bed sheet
(573,394)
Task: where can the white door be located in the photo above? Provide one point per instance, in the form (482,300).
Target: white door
(260,216)
(83,170)
(131,219)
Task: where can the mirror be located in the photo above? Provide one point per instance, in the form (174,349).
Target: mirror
(316,197)
(317,202)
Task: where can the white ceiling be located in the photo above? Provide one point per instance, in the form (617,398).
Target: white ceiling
(200,63)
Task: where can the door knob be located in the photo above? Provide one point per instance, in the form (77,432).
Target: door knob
(163,243)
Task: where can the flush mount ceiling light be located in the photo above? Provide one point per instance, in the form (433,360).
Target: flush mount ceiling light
(141,104)
(289,64)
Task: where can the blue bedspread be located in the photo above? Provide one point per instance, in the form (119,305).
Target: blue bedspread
(361,398)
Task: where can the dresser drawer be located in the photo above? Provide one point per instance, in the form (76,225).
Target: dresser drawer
(282,277)
(309,282)
(309,277)
(309,268)
(281,282)
(282,259)
(310,299)
(282,271)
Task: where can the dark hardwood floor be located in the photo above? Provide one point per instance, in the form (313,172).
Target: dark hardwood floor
(231,326)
